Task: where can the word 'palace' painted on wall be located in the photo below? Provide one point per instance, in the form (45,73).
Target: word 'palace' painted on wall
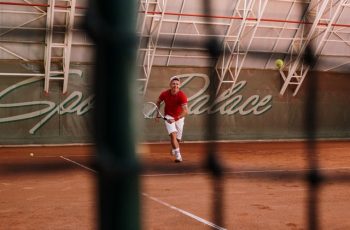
(227,102)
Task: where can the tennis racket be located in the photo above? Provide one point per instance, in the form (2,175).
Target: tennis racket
(151,110)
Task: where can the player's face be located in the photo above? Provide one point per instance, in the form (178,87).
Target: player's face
(175,86)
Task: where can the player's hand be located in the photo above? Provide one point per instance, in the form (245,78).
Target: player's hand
(170,121)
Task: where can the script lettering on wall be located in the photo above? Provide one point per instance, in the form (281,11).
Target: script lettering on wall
(72,104)
(228,102)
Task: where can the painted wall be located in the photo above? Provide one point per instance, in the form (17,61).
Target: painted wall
(29,116)
(253,110)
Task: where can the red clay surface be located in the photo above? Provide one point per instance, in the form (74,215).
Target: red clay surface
(55,188)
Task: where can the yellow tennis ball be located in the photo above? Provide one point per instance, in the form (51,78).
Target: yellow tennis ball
(279,63)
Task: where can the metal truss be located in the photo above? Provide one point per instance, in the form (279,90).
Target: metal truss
(41,32)
(253,33)
(323,14)
(230,63)
(8,51)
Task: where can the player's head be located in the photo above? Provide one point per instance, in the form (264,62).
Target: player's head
(174,84)
(174,78)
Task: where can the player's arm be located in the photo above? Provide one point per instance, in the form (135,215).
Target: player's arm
(184,111)
(158,102)
(184,107)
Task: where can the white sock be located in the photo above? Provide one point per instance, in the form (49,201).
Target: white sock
(177,150)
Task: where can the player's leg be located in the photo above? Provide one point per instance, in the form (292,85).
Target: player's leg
(173,140)
(172,131)
(179,124)
(175,147)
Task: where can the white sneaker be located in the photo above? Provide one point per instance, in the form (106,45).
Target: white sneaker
(178,157)
(172,152)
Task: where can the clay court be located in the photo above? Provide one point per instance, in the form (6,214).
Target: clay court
(263,187)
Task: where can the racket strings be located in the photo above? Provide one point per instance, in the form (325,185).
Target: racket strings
(150,111)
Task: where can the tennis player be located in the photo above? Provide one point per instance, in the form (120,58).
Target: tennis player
(175,111)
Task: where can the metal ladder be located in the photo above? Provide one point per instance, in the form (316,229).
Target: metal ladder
(230,63)
(152,12)
(58,42)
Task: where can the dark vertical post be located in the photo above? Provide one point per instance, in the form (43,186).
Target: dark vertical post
(212,162)
(314,178)
(112,25)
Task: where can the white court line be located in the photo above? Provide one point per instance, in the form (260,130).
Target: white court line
(234,172)
(74,162)
(173,174)
(245,171)
(157,200)
(184,212)
(52,156)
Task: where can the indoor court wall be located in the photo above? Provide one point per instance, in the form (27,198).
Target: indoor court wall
(254,110)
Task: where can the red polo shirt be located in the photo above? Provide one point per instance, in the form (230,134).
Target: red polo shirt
(173,103)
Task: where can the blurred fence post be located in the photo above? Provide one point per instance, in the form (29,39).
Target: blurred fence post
(112,25)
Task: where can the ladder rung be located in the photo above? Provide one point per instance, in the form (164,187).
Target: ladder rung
(56,72)
(153,16)
(61,11)
(58,45)
(149,3)
(56,78)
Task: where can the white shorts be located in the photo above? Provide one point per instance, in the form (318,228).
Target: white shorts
(176,126)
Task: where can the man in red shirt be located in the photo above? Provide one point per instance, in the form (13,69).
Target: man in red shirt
(175,111)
